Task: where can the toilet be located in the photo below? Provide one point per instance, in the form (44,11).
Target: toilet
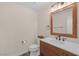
(34,50)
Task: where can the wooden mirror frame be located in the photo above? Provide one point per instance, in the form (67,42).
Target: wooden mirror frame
(74,18)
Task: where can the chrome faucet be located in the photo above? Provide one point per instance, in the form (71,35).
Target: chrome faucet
(59,38)
(63,39)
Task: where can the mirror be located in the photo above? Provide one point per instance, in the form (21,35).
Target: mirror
(64,21)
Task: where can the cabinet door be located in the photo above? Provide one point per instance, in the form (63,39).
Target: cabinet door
(47,49)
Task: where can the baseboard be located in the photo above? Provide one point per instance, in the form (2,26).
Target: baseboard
(20,54)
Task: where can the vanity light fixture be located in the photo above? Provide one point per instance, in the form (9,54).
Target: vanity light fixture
(56,5)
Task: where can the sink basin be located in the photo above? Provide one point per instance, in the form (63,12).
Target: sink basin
(53,40)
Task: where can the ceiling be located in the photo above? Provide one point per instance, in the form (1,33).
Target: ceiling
(35,5)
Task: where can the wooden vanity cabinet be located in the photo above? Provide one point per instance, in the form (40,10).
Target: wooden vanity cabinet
(50,50)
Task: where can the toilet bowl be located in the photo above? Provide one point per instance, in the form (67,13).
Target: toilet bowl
(34,50)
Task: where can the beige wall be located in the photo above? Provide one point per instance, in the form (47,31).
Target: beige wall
(44,20)
(16,24)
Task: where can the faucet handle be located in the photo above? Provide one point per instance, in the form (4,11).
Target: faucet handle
(64,39)
(56,37)
(59,37)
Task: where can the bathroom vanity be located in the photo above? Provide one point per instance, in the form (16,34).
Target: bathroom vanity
(56,48)
(51,50)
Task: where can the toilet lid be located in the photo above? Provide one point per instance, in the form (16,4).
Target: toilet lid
(34,47)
